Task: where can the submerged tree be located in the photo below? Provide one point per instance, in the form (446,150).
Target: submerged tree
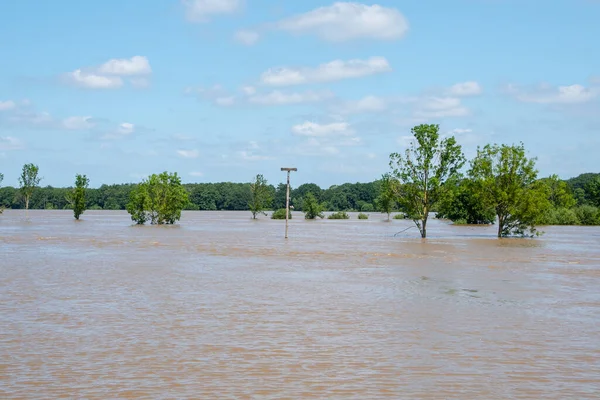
(422,171)
(158,199)
(461,204)
(311,207)
(78,195)
(506,180)
(28,181)
(386,201)
(260,196)
(1,179)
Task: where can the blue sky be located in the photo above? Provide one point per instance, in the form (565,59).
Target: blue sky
(221,90)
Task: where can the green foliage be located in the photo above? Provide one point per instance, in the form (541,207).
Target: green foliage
(339,215)
(363,216)
(260,196)
(388,193)
(158,199)
(461,204)
(423,170)
(505,180)
(592,189)
(579,187)
(400,216)
(588,215)
(28,181)
(280,214)
(78,195)
(1,179)
(560,216)
(311,207)
(365,207)
(560,194)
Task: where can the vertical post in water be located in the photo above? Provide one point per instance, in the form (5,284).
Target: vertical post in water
(287,198)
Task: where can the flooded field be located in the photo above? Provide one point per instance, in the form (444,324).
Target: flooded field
(222,307)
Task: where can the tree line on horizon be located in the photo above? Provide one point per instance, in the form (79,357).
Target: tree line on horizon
(501,186)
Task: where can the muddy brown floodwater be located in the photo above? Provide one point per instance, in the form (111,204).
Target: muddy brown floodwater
(222,307)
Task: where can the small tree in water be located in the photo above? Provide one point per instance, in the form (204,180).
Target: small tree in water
(386,201)
(1,179)
(422,171)
(311,207)
(506,180)
(260,196)
(78,196)
(28,181)
(158,199)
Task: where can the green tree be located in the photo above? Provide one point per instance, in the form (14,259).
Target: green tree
(505,180)
(311,207)
(461,204)
(28,181)
(386,201)
(158,199)
(423,170)
(592,189)
(1,179)
(78,196)
(260,196)
(560,194)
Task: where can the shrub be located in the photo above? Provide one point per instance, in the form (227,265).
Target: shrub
(560,216)
(399,216)
(588,215)
(311,207)
(363,216)
(280,214)
(339,215)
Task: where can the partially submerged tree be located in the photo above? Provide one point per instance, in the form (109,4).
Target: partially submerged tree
(1,179)
(386,201)
(28,181)
(78,196)
(422,171)
(506,180)
(158,199)
(461,204)
(311,207)
(260,196)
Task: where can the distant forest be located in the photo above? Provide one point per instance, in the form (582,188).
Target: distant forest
(236,196)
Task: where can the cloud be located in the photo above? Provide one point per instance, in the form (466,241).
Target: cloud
(345,21)
(197,174)
(136,65)
(368,104)
(313,129)
(247,37)
(188,153)
(10,143)
(440,107)
(328,72)
(7,105)
(471,88)
(277,97)
(121,131)
(250,156)
(93,81)
(548,94)
(77,123)
(460,131)
(109,74)
(201,10)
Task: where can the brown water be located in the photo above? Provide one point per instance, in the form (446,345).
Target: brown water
(221,306)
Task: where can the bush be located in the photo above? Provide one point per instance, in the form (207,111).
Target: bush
(588,215)
(339,215)
(311,207)
(363,216)
(280,214)
(367,207)
(560,216)
(399,216)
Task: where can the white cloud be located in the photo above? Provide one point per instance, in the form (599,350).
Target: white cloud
(188,153)
(77,123)
(126,128)
(328,72)
(93,81)
(136,65)
(249,90)
(281,98)
(595,79)
(440,107)
(250,156)
(197,174)
(460,131)
(367,104)
(470,88)
(547,94)
(313,129)
(200,10)
(7,105)
(247,37)
(10,143)
(344,21)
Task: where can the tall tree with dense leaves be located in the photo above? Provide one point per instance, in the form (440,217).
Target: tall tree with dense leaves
(507,181)
(592,189)
(422,171)
(158,199)
(560,194)
(386,201)
(81,185)
(28,181)
(260,196)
